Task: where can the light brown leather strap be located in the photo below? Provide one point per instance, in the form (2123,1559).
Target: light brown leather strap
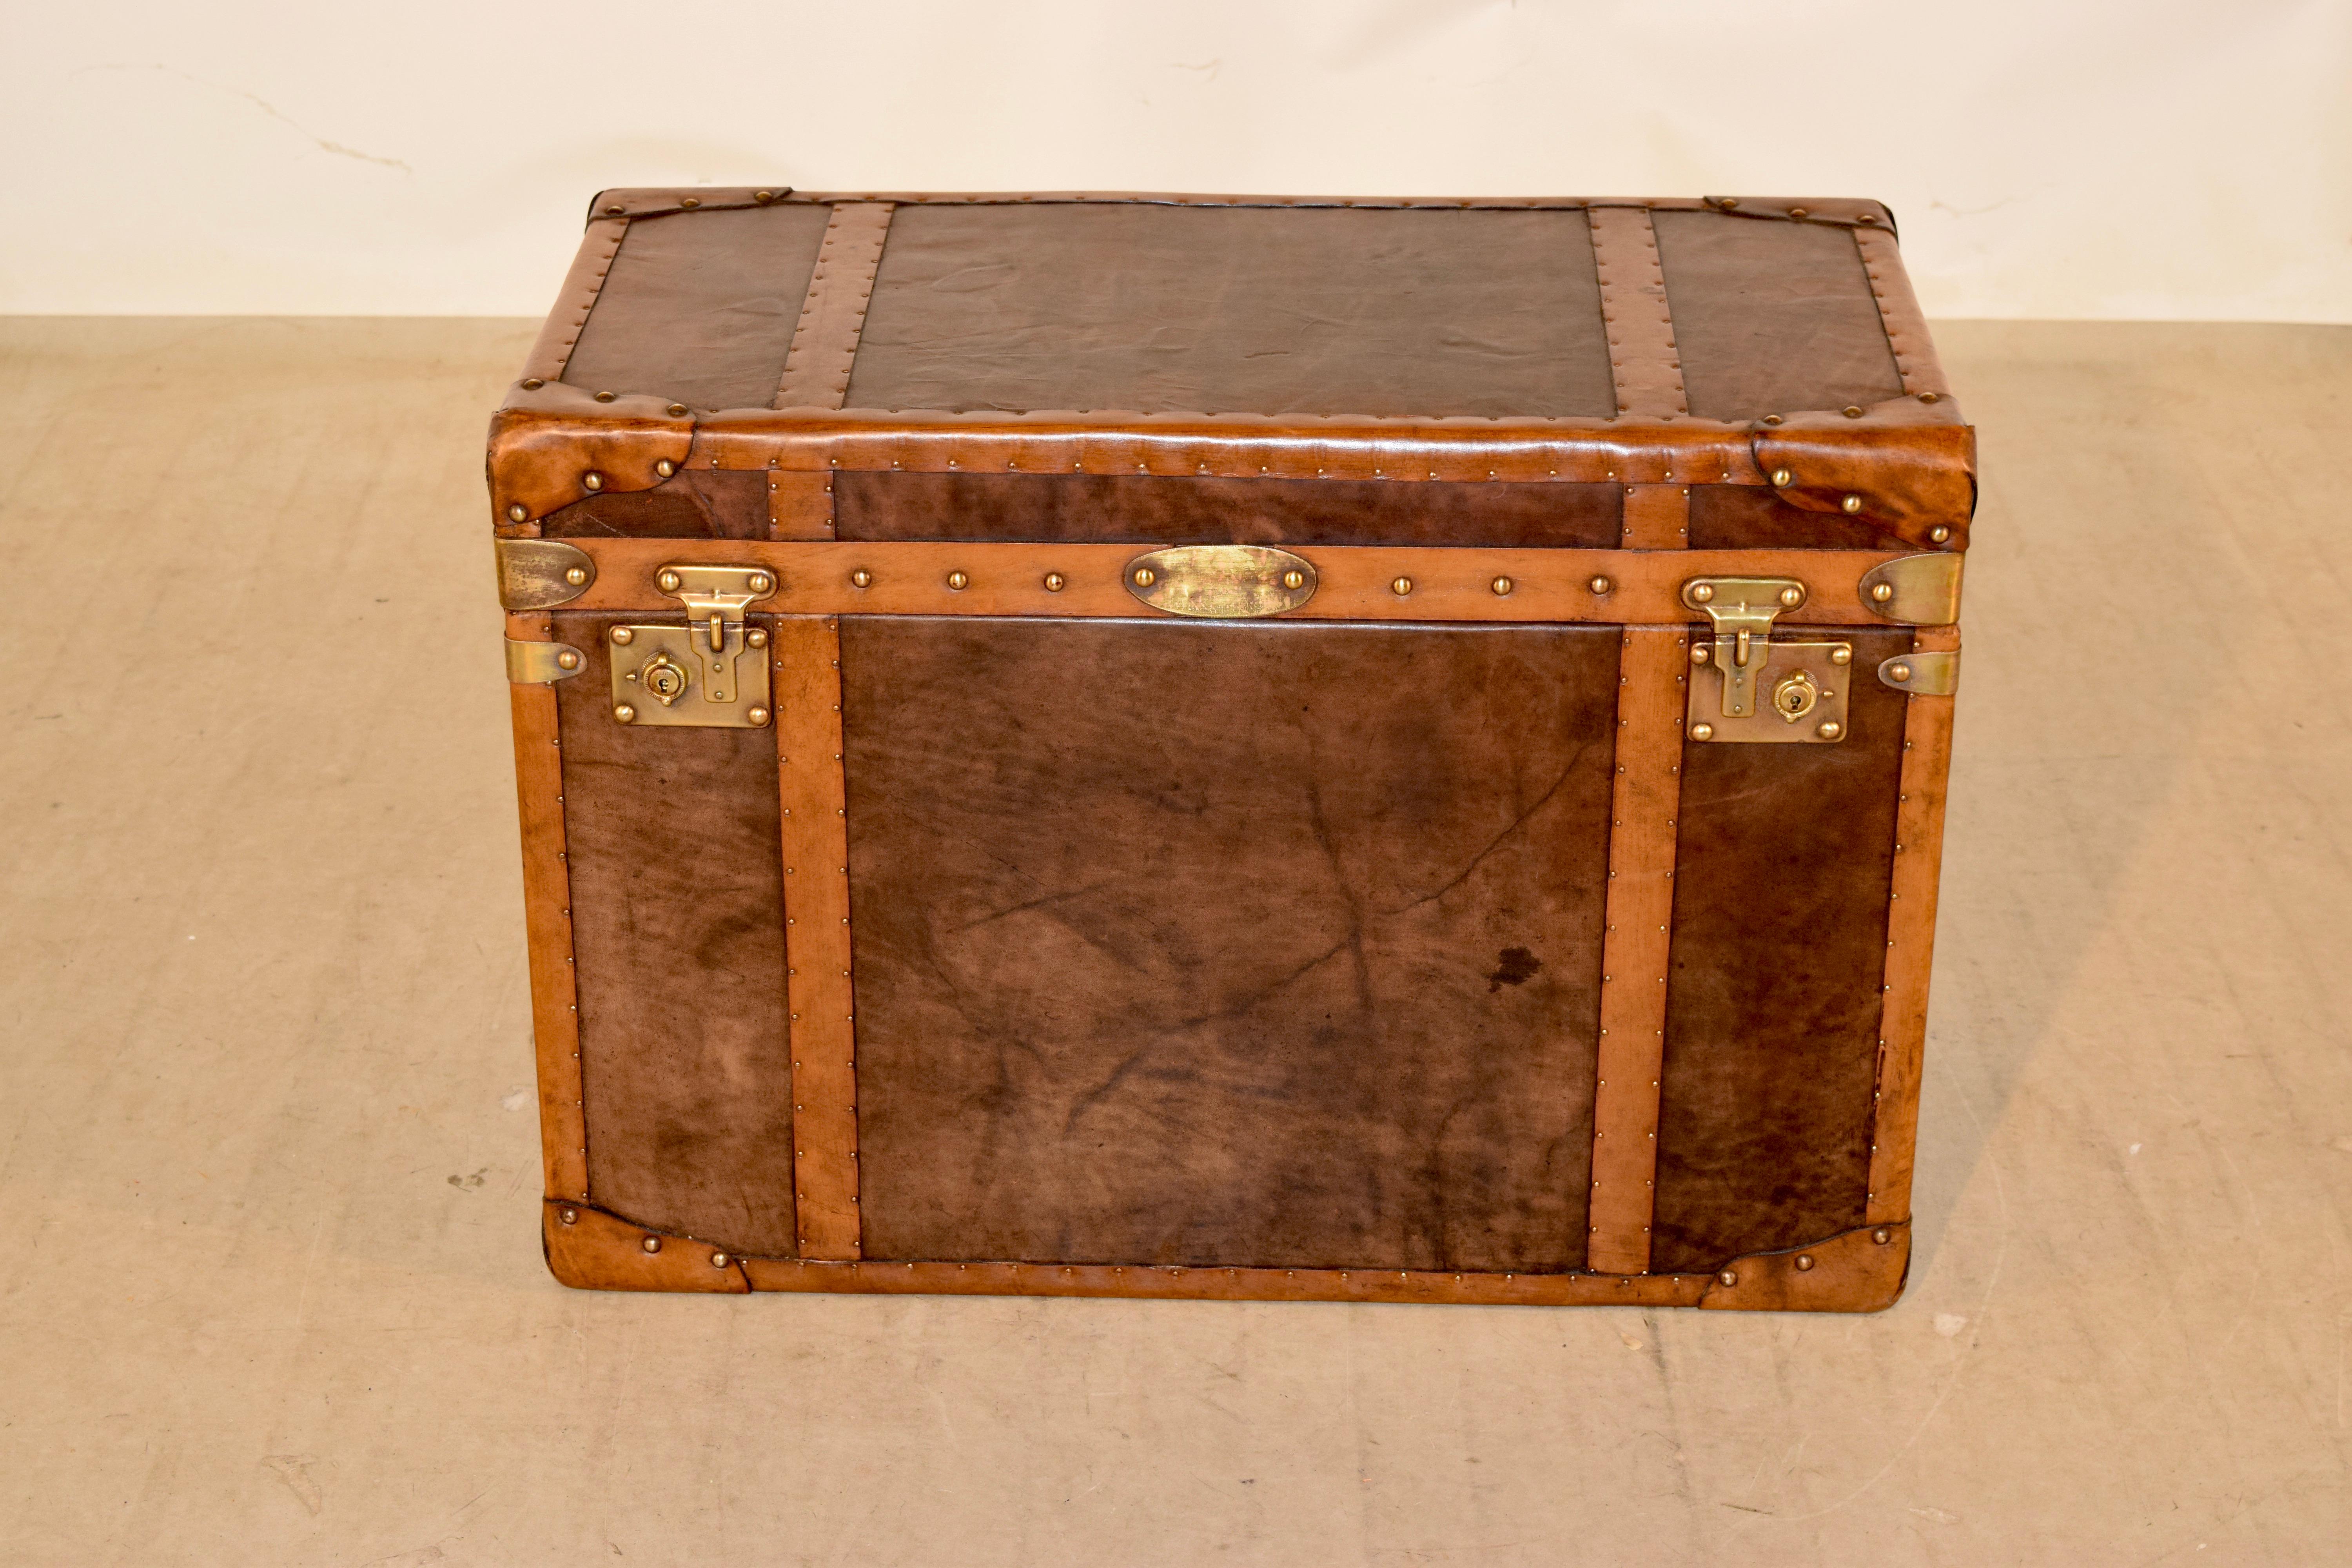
(1642,358)
(1899,310)
(1653,672)
(816,934)
(547,921)
(1910,941)
(824,344)
(557,337)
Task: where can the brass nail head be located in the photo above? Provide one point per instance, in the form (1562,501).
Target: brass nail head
(758,717)
(1881,592)
(518,513)
(1939,533)
(569,1216)
(959,582)
(1851,411)
(1792,596)
(1771,420)
(1930,397)
(1728,1276)
(567,659)
(1055,582)
(1804,1262)
(1898,672)
(719,1260)
(1699,653)
(1701,592)
(690,202)
(615,208)
(625,714)
(532,382)
(755,638)
(677,410)
(861,578)
(1600,584)
(1797,212)
(1851,505)
(670,582)
(1882,1235)
(576,575)
(593,481)
(606,396)
(665,467)
(1401,587)
(1841,654)
(1294,578)
(1502,585)
(624,635)
(1830,730)
(763,196)
(1145,576)
(1783,479)
(651,1244)
(759,583)
(1702,732)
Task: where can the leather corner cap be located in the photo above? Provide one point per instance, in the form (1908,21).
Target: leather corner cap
(1855,1271)
(552,445)
(593,1250)
(656,201)
(1912,465)
(1844,210)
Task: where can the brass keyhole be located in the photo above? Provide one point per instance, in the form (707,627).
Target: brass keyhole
(1794,696)
(664,680)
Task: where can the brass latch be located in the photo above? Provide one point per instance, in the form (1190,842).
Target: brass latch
(710,673)
(1807,689)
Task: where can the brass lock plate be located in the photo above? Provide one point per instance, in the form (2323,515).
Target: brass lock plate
(1800,694)
(671,675)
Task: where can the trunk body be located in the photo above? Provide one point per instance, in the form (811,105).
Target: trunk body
(1229,746)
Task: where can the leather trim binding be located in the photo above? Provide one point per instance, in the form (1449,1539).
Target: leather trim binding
(1910,941)
(1900,313)
(817,984)
(1856,1271)
(1654,671)
(554,445)
(1843,211)
(824,343)
(560,332)
(909,578)
(1656,516)
(1643,359)
(547,916)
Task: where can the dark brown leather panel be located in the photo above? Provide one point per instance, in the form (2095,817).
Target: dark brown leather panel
(1747,516)
(701,306)
(1239,944)
(1771,317)
(677,925)
(1785,859)
(1145,509)
(1236,309)
(696,503)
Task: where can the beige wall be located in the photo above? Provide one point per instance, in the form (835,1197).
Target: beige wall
(2162,159)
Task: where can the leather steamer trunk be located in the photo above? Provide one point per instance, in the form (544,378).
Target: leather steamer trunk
(1231,746)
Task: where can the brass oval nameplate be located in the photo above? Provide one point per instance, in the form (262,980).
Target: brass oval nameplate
(1222,582)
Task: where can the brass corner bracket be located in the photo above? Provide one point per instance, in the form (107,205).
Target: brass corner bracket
(540,573)
(1916,590)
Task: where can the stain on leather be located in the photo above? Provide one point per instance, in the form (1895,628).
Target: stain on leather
(1513,966)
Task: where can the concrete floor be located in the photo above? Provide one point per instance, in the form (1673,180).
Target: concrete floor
(273,1292)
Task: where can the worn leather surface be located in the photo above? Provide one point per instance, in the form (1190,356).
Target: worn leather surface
(1772,317)
(1235,309)
(678,931)
(1144,509)
(1749,516)
(1238,944)
(694,503)
(1785,859)
(699,307)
